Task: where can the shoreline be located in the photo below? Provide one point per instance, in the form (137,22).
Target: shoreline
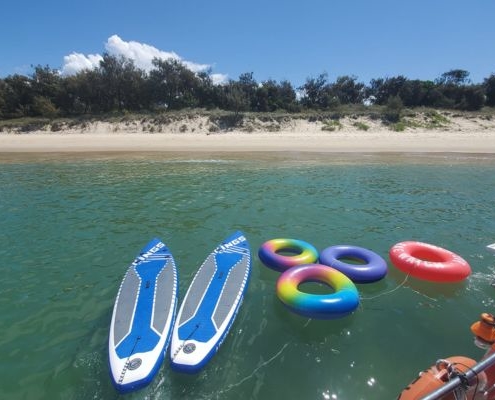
(382,141)
(197,134)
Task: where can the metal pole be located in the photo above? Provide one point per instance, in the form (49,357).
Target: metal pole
(456,382)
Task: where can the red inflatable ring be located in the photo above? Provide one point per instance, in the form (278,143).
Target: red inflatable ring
(429,262)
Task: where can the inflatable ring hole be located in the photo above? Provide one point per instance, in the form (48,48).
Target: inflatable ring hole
(361,265)
(315,287)
(281,254)
(427,255)
(352,260)
(289,251)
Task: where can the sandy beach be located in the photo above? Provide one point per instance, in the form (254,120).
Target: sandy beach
(460,136)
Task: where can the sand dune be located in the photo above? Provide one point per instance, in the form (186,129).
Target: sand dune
(466,135)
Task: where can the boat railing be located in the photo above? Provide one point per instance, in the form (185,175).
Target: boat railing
(458,381)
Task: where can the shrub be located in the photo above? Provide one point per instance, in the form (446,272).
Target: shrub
(361,126)
(398,126)
(436,120)
(44,107)
(228,121)
(393,109)
(331,125)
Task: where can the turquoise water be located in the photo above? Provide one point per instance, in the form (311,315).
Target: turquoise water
(70,226)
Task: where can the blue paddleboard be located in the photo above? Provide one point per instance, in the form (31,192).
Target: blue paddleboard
(211,304)
(142,318)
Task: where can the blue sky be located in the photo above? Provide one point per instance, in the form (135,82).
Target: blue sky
(274,39)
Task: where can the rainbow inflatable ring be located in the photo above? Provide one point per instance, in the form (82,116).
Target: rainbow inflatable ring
(342,302)
(298,252)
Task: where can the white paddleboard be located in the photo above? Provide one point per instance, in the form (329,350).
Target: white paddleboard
(142,318)
(211,304)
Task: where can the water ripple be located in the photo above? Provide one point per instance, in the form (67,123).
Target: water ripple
(71,227)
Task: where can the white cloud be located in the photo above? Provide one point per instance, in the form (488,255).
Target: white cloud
(142,54)
(219,79)
(75,62)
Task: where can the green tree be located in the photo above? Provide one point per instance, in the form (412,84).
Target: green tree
(207,94)
(134,94)
(265,100)
(47,88)
(489,85)
(46,82)
(121,84)
(3,94)
(111,71)
(273,96)
(454,86)
(456,77)
(473,98)
(248,86)
(315,92)
(174,86)
(235,98)
(347,90)
(83,93)
(412,93)
(44,107)
(380,90)
(287,96)
(19,96)
(393,109)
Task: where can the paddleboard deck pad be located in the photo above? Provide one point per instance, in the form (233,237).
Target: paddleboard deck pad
(143,316)
(211,304)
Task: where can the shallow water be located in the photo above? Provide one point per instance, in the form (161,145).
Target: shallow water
(71,225)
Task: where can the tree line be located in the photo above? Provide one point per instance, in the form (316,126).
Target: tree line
(117,85)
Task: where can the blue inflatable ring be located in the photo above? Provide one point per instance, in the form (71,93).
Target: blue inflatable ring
(371,267)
